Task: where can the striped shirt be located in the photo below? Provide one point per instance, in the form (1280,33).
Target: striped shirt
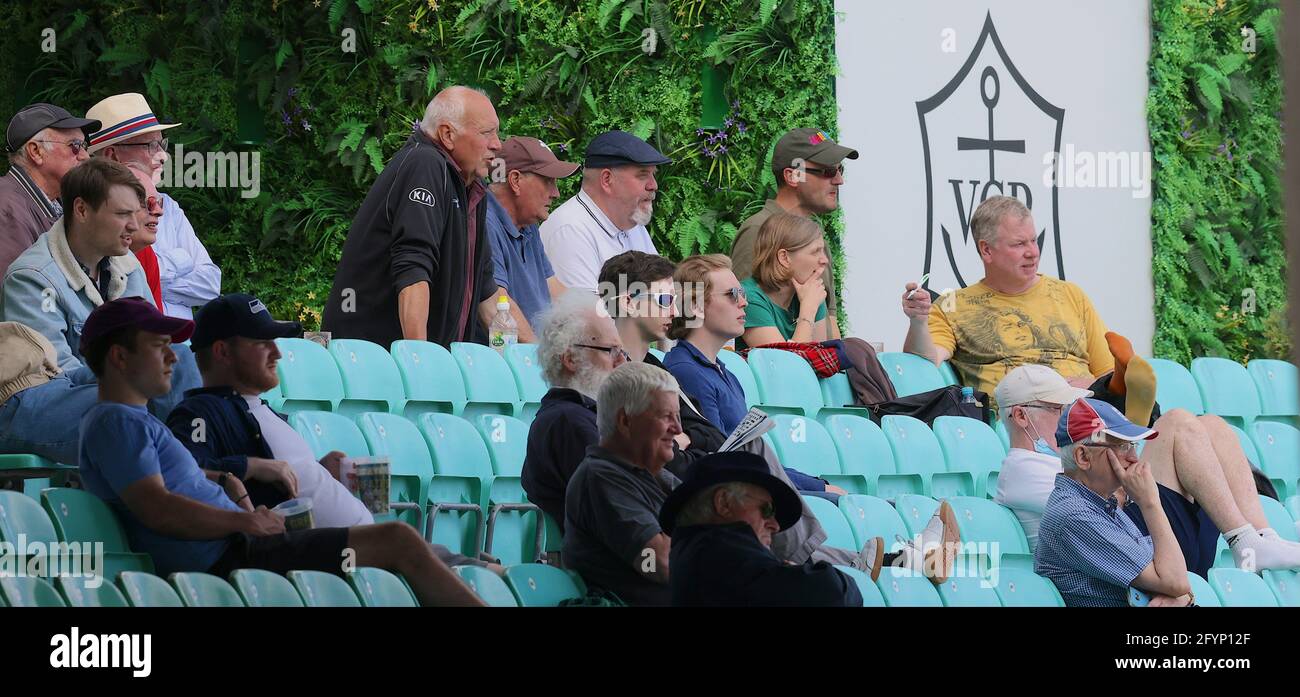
(1089,547)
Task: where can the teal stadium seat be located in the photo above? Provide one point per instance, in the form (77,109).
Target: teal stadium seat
(868,517)
(1247,446)
(539,585)
(273,397)
(489,384)
(737,365)
(370,378)
(204,590)
(1175,386)
(911,374)
(325,432)
(786,382)
(949,375)
(522,359)
(916,451)
(904,588)
(657,354)
(487,585)
(1279,518)
(1237,588)
(1226,390)
(260,588)
(430,377)
(870,594)
(77,591)
(380,588)
(1285,585)
(1292,505)
(983,524)
(1024,588)
(865,452)
(804,444)
(462,480)
(969,445)
(309,378)
(1278,386)
(1279,455)
(1204,592)
(320,589)
(838,532)
(515,533)
(410,468)
(1001,429)
(836,391)
(29,591)
(968,592)
(146,590)
(916,512)
(80,516)
(22,515)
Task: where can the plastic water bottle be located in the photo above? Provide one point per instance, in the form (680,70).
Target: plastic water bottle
(503,331)
(967,394)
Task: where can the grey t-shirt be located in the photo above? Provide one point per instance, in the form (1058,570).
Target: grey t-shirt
(611,510)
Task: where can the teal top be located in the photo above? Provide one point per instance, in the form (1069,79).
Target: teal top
(762,312)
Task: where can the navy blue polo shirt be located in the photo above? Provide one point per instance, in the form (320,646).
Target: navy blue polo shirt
(519,262)
(717,392)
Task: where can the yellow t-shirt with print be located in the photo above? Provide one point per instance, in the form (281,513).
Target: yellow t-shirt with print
(991,333)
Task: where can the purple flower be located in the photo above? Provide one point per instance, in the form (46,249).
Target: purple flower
(740,127)
(293,91)
(284,116)
(305,124)
(728,122)
(723,135)
(699,131)
(564,147)
(1222,147)
(722,149)
(735,104)
(1187,134)
(1229,157)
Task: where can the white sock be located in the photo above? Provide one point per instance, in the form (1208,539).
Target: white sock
(1270,533)
(1232,536)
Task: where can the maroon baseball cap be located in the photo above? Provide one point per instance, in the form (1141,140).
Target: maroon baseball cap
(532,155)
(132,312)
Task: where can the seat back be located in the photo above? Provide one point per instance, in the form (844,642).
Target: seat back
(1247,446)
(430,377)
(507,442)
(489,384)
(870,594)
(969,445)
(80,516)
(22,515)
(487,585)
(836,391)
(410,467)
(260,588)
(527,371)
(1238,588)
(380,588)
(320,589)
(803,444)
(1278,385)
(204,590)
(739,367)
(78,592)
(1279,454)
(1226,389)
(1285,585)
(968,592)
(786,382)
(146,590)
(911,374)
(30,591)
(309,378)
(539,585)
(949,375)
(1279,518)
(916,512)
(838,532)
(903,588)
(870,517)
(370,378)
(864,451)
(914,446)
(325,432)
(1023,588)
(462,471)
(985,524)
(1204,592)
(1175,386)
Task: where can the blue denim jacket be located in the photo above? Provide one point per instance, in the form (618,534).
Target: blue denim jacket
(46,290)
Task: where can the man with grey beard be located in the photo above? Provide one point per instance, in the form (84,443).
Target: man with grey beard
(577,347)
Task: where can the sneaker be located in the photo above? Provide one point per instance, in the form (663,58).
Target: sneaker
(1255,552)
(940,541)
(873,557)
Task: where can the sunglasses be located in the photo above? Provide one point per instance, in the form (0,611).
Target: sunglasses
(766,509)
(154,204)
(155,146)
(664,300)
(613,351)
(736,294)
(829,173)
(76,145)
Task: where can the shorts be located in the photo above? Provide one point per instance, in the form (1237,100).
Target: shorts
(318,549)
(1197,535)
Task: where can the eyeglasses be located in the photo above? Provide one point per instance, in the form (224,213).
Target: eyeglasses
(155,146)
(736,294)
(829,173)
(1044,407)
(613,351)
(664,300)
(1121,449)
(766,509)
(76,145)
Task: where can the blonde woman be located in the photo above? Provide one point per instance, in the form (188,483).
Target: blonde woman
(787,298)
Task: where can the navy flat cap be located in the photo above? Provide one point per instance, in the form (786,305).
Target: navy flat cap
(620,148)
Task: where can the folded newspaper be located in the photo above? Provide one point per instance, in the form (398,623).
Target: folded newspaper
(755,424)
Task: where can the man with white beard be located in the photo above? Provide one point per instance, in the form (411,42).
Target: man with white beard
(608,216)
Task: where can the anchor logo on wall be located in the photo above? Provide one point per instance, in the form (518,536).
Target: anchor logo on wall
(963,169)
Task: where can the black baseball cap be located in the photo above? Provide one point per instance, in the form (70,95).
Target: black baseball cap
(132,312)
(238,314)
(34,118)
(620,148)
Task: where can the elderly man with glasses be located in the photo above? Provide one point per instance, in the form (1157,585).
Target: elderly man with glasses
(1204,491)
(43,142)
(132,135)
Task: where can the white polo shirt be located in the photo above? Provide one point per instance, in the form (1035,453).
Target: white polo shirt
(579,239)
(1026,480)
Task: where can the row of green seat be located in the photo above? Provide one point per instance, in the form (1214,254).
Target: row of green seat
(524,585)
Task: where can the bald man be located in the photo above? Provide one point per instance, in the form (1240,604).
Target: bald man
(417,263)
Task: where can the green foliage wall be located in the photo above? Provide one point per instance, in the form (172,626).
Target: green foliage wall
(1214,111)
(560,70)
